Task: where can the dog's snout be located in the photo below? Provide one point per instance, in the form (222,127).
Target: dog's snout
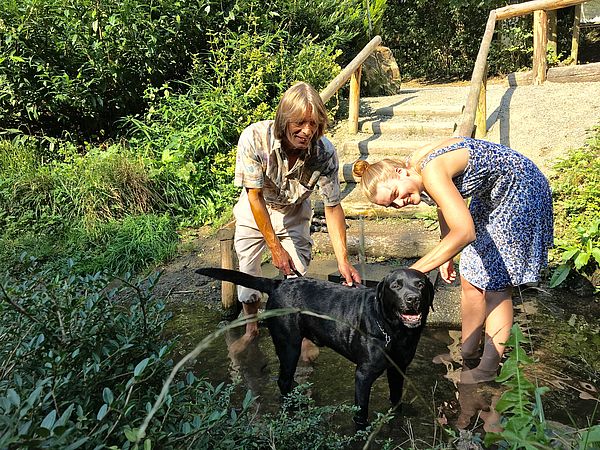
(412,300)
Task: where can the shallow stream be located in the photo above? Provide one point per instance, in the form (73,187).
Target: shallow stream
(432,395)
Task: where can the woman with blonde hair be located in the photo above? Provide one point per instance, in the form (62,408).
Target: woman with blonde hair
(504,234)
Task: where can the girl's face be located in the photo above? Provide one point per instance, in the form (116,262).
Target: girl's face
(400,190)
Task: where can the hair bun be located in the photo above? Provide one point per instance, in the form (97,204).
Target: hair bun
(359,167)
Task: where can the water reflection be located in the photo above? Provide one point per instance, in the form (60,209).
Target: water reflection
(247,363)
(433,394)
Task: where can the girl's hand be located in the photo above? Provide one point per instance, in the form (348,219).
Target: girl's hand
(447,271)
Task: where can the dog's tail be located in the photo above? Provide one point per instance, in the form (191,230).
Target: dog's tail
(261,284)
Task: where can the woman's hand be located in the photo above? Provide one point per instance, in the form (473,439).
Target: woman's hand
(447,271)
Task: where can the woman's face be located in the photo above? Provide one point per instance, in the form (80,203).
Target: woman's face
(400,190)
(300,130)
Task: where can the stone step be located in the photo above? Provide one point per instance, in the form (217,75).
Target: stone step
(383,146)
(408,127)
(418,111)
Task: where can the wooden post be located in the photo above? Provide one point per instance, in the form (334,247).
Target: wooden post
(552,33)
(540,44)
(228,290)
(467,121)
(481,114)
(575,38)
(354,101)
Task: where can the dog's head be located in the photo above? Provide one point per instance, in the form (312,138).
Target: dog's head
(405,296)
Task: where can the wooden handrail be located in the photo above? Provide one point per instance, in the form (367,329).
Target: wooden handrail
(351,72)
(352,67)
(468,119)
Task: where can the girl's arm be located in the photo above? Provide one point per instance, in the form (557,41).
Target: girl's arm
(456,223)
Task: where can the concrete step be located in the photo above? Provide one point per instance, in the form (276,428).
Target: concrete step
(381,146)
(417,111)
(408,127)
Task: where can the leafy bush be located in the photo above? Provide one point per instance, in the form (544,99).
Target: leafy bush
(77,65)
(524,424)
(81,365)
(576,198)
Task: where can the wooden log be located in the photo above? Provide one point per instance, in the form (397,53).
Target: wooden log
(521,9)
(354,101)
(345,74)
(468,117)
(571,74)
(481,114)
(565,74)
(228,290)
(575,38)
(540,44)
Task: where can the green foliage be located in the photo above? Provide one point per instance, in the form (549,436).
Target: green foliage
(78,64)
(576,197)
(81,365)
(524,424)
(583,256)
(436,40)
(130,245)
(521,405)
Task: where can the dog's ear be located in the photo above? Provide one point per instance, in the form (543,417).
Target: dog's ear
(428,292)
(379,289)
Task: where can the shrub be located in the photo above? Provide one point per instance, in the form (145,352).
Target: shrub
(82,364)
(78,65)
(576,198)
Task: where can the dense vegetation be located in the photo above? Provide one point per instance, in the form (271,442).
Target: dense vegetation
(118,123)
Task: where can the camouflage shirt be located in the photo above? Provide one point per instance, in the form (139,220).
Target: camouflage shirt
(262,163)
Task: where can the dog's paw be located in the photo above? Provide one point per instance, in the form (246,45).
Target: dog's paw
(360,423)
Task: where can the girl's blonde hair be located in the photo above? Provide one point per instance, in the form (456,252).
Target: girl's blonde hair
(373,174)
(294,103)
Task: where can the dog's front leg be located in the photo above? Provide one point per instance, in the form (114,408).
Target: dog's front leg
(363,381)
(396,383)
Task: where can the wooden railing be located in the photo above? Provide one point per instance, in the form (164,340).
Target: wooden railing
(474,114)
(351,72)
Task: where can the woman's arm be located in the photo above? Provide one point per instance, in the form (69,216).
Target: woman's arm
(456,224)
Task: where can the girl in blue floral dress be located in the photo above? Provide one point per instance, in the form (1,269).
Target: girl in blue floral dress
(504,234)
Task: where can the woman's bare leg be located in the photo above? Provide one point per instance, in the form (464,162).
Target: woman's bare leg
(499,319)
(473,313)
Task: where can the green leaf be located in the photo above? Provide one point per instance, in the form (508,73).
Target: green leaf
(147,444)
(581,260)
(102,412)
(596,254)
(13,397)
(559,275)
(108,396)
(131,433)
(49,420)
(140,367)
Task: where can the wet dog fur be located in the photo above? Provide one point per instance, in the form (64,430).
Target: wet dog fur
(378,329)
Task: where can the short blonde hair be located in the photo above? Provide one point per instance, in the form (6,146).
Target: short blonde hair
(373,174)
(294,103)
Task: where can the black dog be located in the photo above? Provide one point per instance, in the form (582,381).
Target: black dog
(377,329)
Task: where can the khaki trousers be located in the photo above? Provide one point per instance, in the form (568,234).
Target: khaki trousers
(292,227)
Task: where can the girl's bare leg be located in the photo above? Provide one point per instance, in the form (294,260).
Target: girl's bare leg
(473,313)
(499,319)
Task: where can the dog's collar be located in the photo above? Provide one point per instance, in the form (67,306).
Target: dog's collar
(388,339)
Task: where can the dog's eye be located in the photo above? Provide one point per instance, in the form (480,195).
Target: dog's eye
(396,284)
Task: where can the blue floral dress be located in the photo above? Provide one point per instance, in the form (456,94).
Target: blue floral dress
(511,206)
